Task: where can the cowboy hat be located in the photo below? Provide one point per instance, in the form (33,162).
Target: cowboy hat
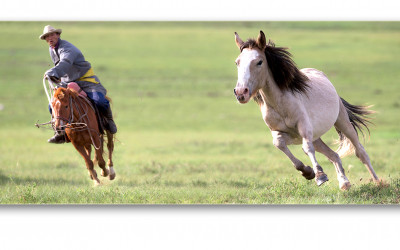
(48,30)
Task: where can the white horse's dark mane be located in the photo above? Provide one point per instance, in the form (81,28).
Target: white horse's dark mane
(284,70)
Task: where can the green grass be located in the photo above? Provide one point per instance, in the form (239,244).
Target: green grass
(183,139)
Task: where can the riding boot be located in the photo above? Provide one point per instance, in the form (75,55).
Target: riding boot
(58,138)
(110,126)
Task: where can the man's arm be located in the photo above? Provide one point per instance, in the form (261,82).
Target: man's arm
(67,57)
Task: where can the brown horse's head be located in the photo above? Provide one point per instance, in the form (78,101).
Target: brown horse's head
(61,107)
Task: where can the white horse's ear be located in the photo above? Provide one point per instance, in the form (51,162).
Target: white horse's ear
(261,41)
(238,41)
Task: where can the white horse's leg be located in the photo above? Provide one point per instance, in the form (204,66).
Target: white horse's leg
(305,131)
(280,141)
(333,157)
(343,124)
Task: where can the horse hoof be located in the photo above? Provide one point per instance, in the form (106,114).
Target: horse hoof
(321,179)
(344,184)
(96,184)
(104,172)
(93,175)
(308,173)
(112,173)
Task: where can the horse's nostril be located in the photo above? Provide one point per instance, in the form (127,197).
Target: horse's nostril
(234,91)
(246,90)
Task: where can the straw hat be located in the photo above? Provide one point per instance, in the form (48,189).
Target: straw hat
(48,30)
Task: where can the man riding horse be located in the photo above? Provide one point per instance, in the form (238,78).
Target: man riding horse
(71,66)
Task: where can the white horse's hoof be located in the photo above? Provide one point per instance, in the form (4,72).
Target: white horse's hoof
(112,173)
(321,178)
(344,183)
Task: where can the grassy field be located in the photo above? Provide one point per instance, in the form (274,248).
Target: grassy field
(183,138)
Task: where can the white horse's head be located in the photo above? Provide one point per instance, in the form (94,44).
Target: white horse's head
(252,67)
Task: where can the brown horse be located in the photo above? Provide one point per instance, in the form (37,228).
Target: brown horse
(76,115)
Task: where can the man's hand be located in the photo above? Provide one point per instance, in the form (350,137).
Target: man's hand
(53,78)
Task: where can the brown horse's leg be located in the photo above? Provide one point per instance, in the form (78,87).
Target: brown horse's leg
(98,155)
(110,146)
(85,152)
(88,151)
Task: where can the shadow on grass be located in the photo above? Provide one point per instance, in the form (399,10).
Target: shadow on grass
(4,180)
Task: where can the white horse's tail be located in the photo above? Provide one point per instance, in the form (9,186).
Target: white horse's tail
(358,116)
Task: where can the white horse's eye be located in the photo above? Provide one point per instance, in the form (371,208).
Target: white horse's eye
(259,63)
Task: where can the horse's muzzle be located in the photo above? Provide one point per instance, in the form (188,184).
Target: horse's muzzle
(242,94)
(59,122)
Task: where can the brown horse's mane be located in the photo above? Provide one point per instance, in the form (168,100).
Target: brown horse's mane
(73,93)
(61,91)
(284,70)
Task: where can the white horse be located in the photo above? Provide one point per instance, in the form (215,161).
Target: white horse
(299,106)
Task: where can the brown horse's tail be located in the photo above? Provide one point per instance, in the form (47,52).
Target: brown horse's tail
(358,116)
